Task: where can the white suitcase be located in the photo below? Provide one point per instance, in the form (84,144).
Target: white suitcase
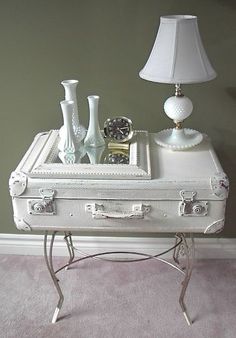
(159,191)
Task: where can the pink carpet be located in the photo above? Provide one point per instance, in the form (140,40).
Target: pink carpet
(116,300)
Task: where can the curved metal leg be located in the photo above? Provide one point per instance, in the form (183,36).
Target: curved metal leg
(49,264)
(181,248)
(69,243)
(176,249)
(188,251)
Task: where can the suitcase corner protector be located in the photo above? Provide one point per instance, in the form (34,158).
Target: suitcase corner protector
(21,224)
(215,227)
(17,183)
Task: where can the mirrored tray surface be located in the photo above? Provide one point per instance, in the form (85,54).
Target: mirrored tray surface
(126,161)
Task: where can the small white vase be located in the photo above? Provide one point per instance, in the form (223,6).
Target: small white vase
(70,87)
(95,154)
(94,136)
(67,142)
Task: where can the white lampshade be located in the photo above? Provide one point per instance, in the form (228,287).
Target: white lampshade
(178,55)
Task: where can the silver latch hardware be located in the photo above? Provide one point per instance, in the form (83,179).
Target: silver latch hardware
(43,206)
(189,206)
(47,194)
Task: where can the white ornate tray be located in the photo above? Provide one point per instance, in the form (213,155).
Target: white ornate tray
(45,161)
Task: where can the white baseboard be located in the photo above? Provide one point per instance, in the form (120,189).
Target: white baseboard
(206,248)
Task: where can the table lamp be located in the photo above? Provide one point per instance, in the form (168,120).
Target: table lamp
(178,57)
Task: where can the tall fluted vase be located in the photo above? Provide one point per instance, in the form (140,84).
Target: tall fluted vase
(70,87)
(67,143)
(94,136)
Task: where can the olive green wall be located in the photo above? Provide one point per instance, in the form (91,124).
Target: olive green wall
(104,44)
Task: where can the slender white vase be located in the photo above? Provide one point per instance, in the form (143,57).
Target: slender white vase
(67,142)
(94,137)
(70,87)
(95,154)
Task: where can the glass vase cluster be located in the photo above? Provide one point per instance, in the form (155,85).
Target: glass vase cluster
(72,133)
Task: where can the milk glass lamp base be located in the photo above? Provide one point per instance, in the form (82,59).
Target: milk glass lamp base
(178,139)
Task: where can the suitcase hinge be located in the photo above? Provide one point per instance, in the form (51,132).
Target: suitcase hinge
(189,206)
(220,185)
(43,206)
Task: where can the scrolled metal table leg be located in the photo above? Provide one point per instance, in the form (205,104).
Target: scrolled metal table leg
(49,263)
(189,254)
(69,243)
(176,250)
(181,248)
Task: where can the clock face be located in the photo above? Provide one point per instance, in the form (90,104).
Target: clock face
(118,129)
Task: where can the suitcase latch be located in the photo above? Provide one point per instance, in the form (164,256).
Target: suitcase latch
(43,206)
(189,206)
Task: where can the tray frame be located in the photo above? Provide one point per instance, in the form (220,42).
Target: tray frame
(42,165)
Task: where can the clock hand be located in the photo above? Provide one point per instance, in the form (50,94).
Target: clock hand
(119,129)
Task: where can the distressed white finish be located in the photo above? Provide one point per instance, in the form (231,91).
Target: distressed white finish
(172,173)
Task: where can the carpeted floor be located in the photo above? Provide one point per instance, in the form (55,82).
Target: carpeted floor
(116,300)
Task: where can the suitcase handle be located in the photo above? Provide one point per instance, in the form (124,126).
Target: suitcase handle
(138,211)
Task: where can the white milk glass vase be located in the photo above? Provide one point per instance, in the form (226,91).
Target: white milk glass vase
(95,154)
(70,87)
(94,136)
(67,143)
